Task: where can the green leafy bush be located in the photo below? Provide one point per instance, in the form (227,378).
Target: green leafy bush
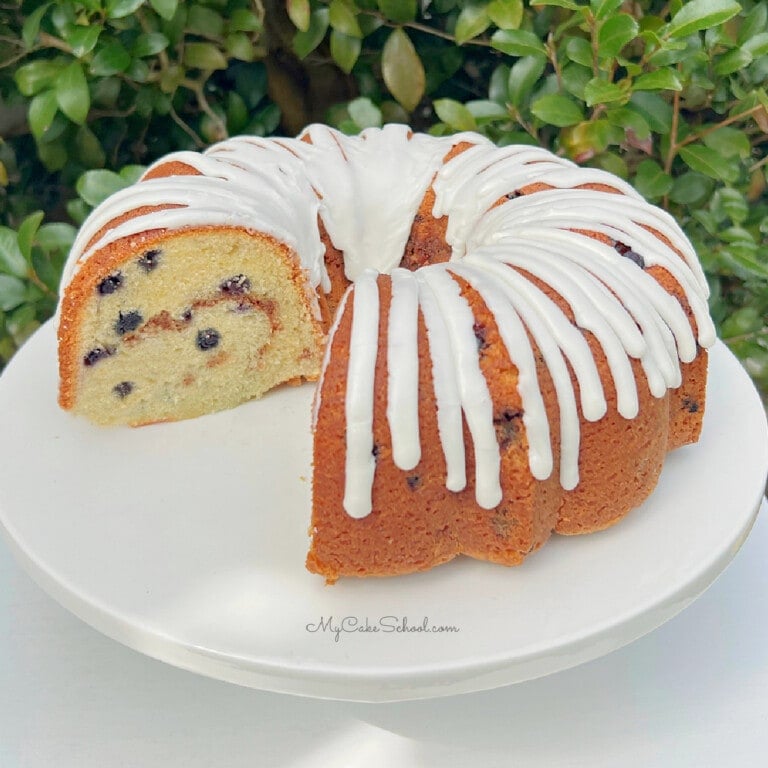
(670,96)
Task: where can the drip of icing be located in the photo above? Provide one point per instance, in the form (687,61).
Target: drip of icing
(555,336)
(403,370)
(361,370)
(447,396)
(520,353)
(473,388)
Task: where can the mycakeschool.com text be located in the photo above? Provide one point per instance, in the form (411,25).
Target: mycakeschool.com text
(338,627)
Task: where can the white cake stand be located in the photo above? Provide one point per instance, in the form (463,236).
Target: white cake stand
(187,541)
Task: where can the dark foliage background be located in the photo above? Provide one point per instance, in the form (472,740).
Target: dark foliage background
(668,95)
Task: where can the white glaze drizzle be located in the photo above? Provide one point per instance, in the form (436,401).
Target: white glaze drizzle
(280,186)
(361,370)
(554,335)
(447,397)
(520,353)
(403,369)
(473,388)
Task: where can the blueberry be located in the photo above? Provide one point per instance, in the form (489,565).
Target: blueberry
(414,481)
(128,321)
(123,389)
(96,354)
(622,248)
(208,339)
(512,195)
(636,257)
(479,331)
(149,259)
(507,425)
(186,315)
(110,283)
(236,285)
(690,405)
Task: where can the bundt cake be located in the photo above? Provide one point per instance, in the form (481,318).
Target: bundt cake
(506,344)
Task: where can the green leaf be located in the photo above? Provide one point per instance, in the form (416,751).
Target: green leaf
(709,162)
(505,14)
(732,204)
(743,320)
(497,84)
(31,27)
(96,186)
(455,114)
(343,19)
(753,24)
(402,70)
(119,9)
(654,110)
(42,110)
(733,61)
(729,142)
(614,34)
(401,11)
(304,42)
(87,149)
(691,189)
(569,4)
(72,93)
(523,76)
(34,77)
(756,46)
(12,261)
(110,60)
(518,42)
(484,110)
(166,9)
(298,13)
(472,21)
(590,138)
(45,269)
(131,173)
(701,14)
(204,56)
(243,20)
(745,259)
(579,50)
(238,45)
(345,50)
(53,155)
(56,237)
(604,8)
(13,292)
(83,39)
(204,21)
(659,80)
(26,233)
(557,110)
(364,112)
(598,91)
(651,181)
(149,44)
(629,119)
(575,78)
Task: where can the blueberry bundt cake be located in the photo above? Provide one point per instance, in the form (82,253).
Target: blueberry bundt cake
(506,344)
